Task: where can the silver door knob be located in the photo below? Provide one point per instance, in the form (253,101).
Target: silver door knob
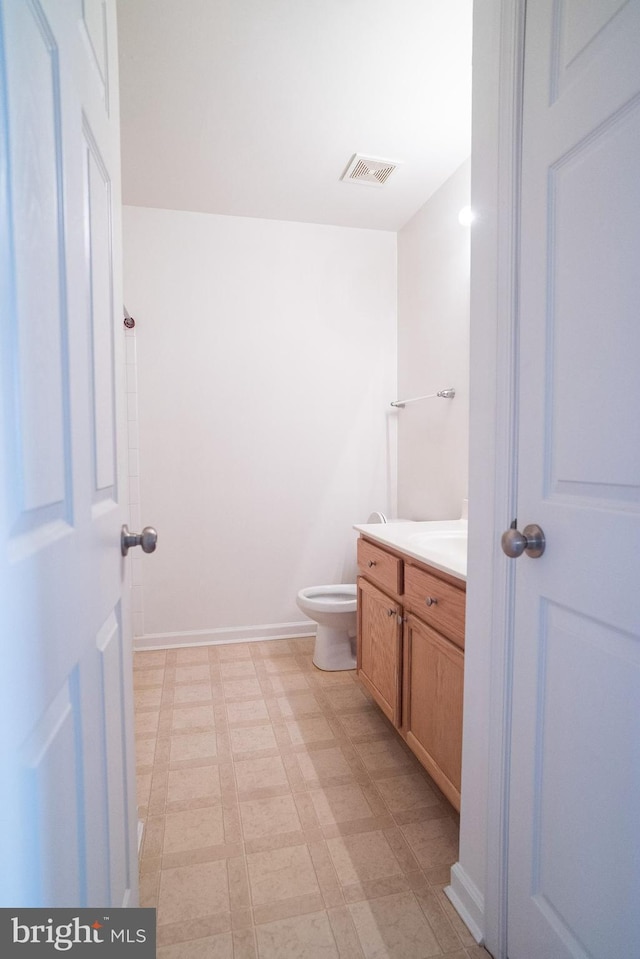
(148,539)
(530,541)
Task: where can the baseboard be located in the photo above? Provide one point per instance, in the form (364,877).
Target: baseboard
(230,634)
(468,902)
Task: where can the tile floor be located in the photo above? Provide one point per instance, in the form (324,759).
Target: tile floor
(284,817)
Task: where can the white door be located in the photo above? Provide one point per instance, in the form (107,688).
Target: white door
(68,827)
(574,867)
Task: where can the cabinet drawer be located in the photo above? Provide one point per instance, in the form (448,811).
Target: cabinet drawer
(436,602)
(380,567)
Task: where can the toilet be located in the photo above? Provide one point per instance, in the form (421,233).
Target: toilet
(334,610)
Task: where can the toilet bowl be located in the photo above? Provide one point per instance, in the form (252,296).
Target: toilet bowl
(334,610)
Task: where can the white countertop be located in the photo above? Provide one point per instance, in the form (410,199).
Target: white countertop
(440,543)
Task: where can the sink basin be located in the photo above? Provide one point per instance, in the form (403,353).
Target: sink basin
(450,544)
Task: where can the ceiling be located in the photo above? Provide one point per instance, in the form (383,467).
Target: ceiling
(255,107)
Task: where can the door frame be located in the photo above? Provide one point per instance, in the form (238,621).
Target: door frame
(495,198)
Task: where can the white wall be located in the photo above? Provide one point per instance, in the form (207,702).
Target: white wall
(266,356)
(433,354)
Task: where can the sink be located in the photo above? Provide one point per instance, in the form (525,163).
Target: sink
(451,544)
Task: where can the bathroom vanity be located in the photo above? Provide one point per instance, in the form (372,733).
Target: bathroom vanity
(411,610)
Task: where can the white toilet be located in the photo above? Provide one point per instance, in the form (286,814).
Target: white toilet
(334,610)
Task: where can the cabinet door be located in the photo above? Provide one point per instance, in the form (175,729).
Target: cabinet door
(380,647)
(434,670)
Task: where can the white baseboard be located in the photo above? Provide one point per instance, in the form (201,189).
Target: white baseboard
(230,634)
(468,902)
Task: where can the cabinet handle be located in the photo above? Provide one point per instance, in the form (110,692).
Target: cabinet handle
(391,612)
(371,563)
(402,619)
(430,601)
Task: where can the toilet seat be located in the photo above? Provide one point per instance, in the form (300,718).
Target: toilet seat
(341,598)
(334,610)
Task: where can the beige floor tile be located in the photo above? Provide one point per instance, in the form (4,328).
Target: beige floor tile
(335,804)
(244,945)
(385,756)
(213,947)
(147,722)
(363,857)
(368,724)
(191,892)
(343,698)
(269,817)
(246,688)
(281,664)
(394,927)
(255,774)
(296,704)
(313,730)
(149,658)
(247,710)
(147,677)
(201,745)
(288,682)
(245,739)
(406,792)
(234,651)
(192,717)
(147,697)
(272,647)
(195,673)
(193,829)
(199,782)
(301,937)
(192,693)
(249,724)
(324,766)
(237,669)
(279,874)
(345,933)
(145,751)
(321,678)
(191,655)
(434,842)
(143,788)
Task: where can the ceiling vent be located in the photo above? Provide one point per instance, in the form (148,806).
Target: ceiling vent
(373,171)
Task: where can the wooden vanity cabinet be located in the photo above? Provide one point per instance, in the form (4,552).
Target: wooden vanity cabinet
(411,655)
(434,671)
(380,648)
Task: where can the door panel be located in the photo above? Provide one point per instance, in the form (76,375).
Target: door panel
(573,875)
(39,320)
(50,761)
(594,283)
(98,206)
(68,833)
(584,782)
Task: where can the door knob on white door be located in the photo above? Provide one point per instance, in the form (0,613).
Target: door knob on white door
(530,541)
(148,539)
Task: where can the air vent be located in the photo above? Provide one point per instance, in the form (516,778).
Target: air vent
(373,171)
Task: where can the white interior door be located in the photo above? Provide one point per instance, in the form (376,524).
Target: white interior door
(574,869)
(68,830)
